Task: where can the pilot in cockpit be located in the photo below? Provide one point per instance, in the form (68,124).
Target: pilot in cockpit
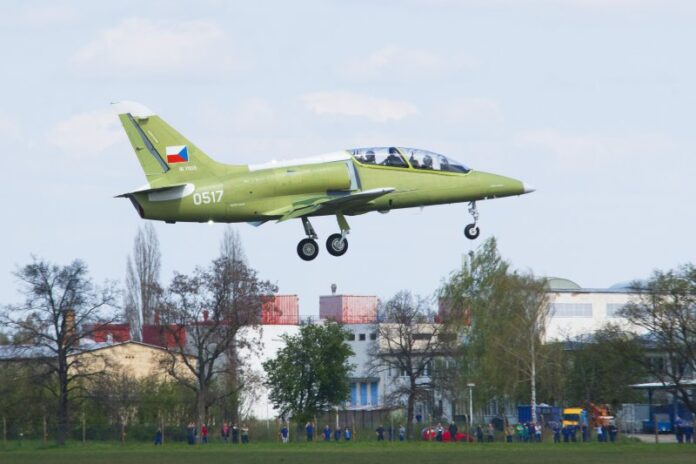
(370,157)
(427,162)
(394,159)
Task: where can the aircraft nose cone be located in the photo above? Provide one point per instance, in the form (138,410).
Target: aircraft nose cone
(527,188)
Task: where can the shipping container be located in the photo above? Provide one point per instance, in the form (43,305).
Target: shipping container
(349,309)
(280,310)
(159,335)
(114,333)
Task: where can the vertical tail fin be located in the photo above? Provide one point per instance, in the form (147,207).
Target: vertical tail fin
(166,156)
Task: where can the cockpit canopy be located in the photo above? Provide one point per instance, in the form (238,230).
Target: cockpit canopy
(417,158)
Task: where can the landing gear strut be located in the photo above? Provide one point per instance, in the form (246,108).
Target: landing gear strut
(472,231)
(308,249)
(337,244)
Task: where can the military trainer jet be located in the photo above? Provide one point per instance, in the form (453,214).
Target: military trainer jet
(184,184)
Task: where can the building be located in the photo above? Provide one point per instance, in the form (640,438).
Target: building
(576,311)
(138,360)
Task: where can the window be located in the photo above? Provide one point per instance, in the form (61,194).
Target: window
(379,156)
(353,394)
(571,310)
(373,336)
(373,393)
(614,309)
(362,337)
(351,337)
(363,393)
(427,160)
(422,336)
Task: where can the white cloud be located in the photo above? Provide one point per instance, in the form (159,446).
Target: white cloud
(360,105)
(49,15)
(9,128)
(592,150)
(142,47)
(471,111)
(86,133)
(391,62)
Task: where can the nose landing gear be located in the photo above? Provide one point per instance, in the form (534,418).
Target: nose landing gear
(472,231)
(308,249)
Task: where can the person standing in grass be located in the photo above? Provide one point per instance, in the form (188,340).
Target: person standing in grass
(235,433)
(225,432)
(380,433)
(284,433)
(158,437)
(204,434)
(402,432)
(245,434)
(347,434)
(327,433)
(453,432)
(309,428)
(337,434)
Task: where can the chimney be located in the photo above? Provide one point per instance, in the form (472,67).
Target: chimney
(333,289)
(157,317)
(69,333)
(205,315)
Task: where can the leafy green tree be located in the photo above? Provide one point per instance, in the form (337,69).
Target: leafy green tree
(665,309)
(602,365)
(310,373)
(503,314)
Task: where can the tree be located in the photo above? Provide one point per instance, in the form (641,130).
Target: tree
(503,314)
(142,281)
(408,343)
(665,308)
(310,373)
(61,306)
(203,314)
(603,365)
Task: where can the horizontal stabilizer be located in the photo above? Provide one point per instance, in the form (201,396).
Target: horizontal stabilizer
(167,193)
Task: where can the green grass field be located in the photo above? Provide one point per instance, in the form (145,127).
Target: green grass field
(362,453)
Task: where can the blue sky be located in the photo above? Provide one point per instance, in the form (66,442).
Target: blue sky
(591,101)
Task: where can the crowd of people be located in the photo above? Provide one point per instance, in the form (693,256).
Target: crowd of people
(522,432)
(337,434)
(233,434)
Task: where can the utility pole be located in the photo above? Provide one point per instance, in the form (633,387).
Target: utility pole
(471,406)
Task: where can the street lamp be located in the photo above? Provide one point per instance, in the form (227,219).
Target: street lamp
(471,405)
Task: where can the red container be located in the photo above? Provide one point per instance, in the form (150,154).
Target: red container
(110,332)
(159,335)
(349,309)
(280,310)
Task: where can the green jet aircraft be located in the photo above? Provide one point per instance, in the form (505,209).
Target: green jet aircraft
(184,184)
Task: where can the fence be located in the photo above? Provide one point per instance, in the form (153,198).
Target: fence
(44,429)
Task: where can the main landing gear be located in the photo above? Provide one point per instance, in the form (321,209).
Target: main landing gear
(472,231)
(336,244)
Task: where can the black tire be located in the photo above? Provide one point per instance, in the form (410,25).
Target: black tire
(307,249)
(335,246)
(472,231)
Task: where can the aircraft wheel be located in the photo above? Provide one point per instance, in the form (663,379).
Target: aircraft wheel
(307,249)
(335,246)
(472,231)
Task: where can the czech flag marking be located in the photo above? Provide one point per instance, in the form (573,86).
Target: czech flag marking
(177,154)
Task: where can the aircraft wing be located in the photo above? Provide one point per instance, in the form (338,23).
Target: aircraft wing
(328,205)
